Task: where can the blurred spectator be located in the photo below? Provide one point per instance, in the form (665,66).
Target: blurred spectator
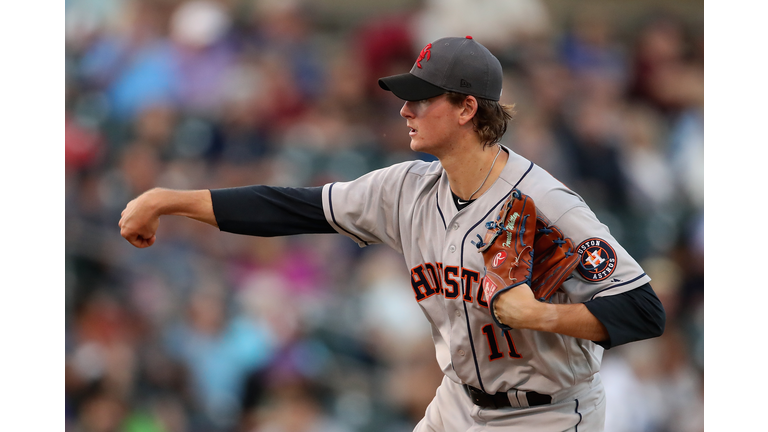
(201,56)
(687,145)
(83,146)
(535,141)
(383,46)
(163,414)
(592,139)
(643,159)
(86,19)
(220,351)
(663,52)
(591,48)
(653,387)
(293,407)
(499,24)
(133,62)
(100,411)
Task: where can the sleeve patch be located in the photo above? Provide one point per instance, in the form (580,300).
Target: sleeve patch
(597,259)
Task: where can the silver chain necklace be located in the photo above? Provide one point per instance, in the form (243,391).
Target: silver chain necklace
(487,175)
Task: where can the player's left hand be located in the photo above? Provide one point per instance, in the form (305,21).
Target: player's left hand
(517,307)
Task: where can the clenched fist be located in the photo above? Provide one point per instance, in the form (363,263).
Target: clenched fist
(140,219)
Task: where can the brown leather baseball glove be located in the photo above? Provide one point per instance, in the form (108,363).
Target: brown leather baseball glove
(521,248)
(508,248)
(554,258)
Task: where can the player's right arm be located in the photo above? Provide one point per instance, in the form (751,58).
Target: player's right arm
(257,210)
(365,209)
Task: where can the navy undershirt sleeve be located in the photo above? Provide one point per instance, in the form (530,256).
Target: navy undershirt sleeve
(269,211)
(631,316)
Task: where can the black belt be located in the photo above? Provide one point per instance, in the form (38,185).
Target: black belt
(501,400)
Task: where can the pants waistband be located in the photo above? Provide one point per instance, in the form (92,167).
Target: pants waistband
(504,400)
(515,398)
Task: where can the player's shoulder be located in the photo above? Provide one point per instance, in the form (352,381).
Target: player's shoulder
(404,170)
(552,197)
(416,173)
(410,175)
(420,168)
(416,167)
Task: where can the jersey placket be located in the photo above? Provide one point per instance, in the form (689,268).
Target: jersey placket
(462,358)
(467,355)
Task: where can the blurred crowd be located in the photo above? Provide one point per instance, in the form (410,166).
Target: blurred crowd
(209,331)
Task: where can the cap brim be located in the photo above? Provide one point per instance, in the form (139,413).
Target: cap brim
(410,87)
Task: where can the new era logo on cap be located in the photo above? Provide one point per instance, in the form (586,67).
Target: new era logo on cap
(450,64)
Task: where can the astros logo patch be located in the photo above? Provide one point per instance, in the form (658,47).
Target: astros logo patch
(499,258)
(597,259)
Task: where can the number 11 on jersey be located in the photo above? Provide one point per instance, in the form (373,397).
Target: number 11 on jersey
(496,353)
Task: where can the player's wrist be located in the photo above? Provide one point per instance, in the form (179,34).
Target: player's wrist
(161,201)
(544,317)
(195,204)
(534,316)
(155,201)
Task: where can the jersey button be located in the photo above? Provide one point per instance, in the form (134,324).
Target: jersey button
(461,352)
(455,226)
(452,248)
(458,313)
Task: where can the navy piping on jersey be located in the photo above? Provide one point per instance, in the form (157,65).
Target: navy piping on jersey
(580,416)
(464,289)
(333,215)
(463,284)
(437,201)
(617,285)
(530,167)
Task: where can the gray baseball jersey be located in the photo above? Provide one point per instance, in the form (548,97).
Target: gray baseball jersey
(409,207)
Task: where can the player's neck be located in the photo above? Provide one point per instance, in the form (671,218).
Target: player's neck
(468,170)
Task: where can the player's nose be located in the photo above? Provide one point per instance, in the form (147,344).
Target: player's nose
(406,110)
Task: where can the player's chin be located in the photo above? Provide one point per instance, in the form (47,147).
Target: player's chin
(421,148)
(418,146)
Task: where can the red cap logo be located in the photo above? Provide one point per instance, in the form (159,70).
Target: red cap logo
(425,53)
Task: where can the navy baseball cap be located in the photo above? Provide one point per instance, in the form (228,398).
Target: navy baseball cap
(453,64)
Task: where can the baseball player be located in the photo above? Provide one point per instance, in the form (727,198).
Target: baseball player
(483,231)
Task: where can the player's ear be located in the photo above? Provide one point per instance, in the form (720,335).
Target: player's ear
(468,110)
